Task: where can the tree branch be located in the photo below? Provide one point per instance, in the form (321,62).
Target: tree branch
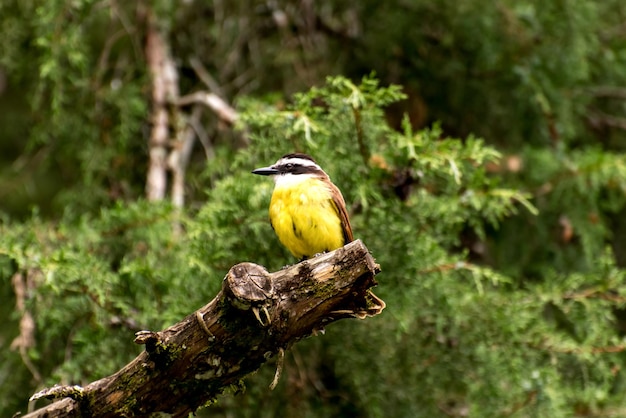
(255,316)
(600,119)
(223,110)
(23,283)
(178,159)
(608,91)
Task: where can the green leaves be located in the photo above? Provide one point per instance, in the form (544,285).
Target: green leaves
(502,257)
(428,206)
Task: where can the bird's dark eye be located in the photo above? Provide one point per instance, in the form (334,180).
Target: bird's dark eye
(289,166)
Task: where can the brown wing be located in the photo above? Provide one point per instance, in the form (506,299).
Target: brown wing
(340,205)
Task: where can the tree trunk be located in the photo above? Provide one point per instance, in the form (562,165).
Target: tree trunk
(255,316)
(164,90)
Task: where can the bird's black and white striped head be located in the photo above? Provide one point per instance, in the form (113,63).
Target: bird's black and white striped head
(292,167)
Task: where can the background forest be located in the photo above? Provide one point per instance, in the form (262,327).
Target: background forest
(479,146)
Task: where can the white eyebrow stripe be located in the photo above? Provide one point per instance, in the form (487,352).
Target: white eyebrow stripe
(296,161)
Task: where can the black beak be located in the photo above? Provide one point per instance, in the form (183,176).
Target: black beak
(265,171)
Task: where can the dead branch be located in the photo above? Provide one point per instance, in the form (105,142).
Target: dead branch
(600,119)
(23,283)
(178,159)
(614,92)
(205,76)
(164,90)
(203,137)
(255,316)
(167,118)
(213,102)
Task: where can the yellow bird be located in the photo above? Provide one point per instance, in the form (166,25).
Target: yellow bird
(307,210)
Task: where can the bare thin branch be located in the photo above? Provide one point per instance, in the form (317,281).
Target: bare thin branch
(22,284)
(599,119)
(213,102)
(204,76)
(179,157)
(608,91)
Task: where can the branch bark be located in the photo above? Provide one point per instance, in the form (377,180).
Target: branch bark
(255,316)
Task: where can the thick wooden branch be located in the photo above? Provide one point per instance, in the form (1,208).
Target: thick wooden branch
(255,316)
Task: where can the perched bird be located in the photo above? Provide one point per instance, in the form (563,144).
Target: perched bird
(307,210)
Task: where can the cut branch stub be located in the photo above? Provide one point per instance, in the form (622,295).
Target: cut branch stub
(309,294)
(255,316)
(248,284)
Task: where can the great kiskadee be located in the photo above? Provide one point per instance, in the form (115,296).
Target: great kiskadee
(307,210)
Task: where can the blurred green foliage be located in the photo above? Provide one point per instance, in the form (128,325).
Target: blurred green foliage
(503,257)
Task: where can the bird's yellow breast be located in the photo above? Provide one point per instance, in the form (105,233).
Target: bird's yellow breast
(305,218)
